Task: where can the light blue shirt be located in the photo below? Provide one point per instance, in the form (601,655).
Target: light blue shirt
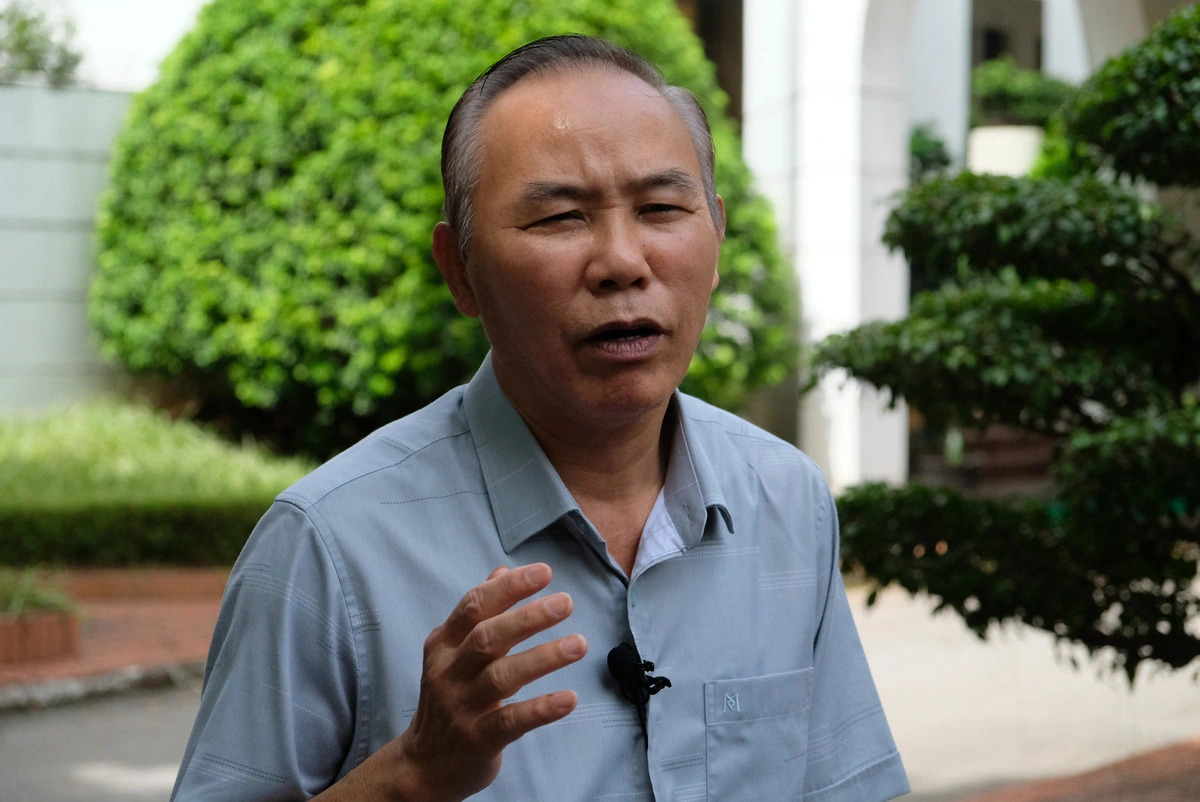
(736,598)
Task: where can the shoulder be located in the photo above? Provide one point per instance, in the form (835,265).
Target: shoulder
(725,437)
(755,472)
(428,442)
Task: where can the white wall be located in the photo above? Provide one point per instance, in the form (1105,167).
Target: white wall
(53,165)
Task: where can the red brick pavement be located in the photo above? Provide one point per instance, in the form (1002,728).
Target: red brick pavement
(148,619)
(1171,774)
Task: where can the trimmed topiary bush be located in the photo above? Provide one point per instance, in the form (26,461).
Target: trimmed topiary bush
(1142,108)
(1067,306)
(265,238)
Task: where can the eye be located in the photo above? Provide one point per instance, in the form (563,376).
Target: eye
(660,209)
(562,217)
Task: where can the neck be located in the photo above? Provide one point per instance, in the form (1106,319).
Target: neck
(613,472)
(613,464)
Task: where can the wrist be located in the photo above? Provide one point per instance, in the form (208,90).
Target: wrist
(411,782)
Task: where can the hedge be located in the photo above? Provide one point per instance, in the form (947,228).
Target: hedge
(1067,306)
(111,483)
(160,533)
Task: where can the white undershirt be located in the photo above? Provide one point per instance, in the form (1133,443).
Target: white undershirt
(659,538)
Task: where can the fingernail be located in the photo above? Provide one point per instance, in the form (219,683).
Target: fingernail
(558,605)
(533,575)
(574,646)
(564,700)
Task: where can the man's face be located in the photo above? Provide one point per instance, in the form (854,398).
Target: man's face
(593,253)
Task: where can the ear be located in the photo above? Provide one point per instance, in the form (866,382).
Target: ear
(721,235)
(454,269)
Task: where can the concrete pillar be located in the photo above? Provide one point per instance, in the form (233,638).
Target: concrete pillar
(825,131)
(1110,26)
(1064,48)
(939,71)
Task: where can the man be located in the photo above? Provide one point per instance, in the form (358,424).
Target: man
(358,655)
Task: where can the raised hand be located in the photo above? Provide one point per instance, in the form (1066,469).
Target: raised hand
(452,748)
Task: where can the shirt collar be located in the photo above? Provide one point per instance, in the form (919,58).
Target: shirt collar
(526,492)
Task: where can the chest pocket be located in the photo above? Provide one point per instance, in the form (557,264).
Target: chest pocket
(757,736)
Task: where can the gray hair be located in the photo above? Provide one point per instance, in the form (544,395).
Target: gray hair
(460,142)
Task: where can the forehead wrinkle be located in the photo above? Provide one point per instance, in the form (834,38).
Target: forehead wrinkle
(545,191)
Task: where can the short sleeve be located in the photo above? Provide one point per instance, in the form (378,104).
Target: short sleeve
(851,753)
(276,717)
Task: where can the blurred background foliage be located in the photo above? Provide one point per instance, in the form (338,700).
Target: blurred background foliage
(265,239)
(1002,93)
(1067,304)
(928,154)
(33,44)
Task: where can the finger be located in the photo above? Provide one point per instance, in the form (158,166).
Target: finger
(503,726)
(494,638)
(499,570)
(506,676)
(492,598)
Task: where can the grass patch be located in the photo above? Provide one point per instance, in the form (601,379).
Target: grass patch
(108,452)
(109,483)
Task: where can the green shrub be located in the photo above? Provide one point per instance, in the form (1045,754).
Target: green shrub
(114,484)
(113,452)
(993,561)
(1046,356)
(266,233)
(1066,306)
(200,532)
(1062,157)
(1142,108)
(1085,228)
(27,591)
(1004,94)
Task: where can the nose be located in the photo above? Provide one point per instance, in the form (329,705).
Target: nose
(618,259)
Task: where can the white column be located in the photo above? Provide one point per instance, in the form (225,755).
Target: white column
(769,132)
(1064,48)
(938,65)
(825,131)
(1110,26)
(885,281)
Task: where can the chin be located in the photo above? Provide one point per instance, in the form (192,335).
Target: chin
(618,401)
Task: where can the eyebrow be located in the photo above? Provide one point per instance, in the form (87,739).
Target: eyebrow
(545,191)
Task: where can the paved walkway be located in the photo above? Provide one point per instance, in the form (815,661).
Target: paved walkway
(972,717)
(136,628)
(994,722)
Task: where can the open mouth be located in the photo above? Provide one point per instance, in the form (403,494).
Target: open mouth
(626,340)
(625,334)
